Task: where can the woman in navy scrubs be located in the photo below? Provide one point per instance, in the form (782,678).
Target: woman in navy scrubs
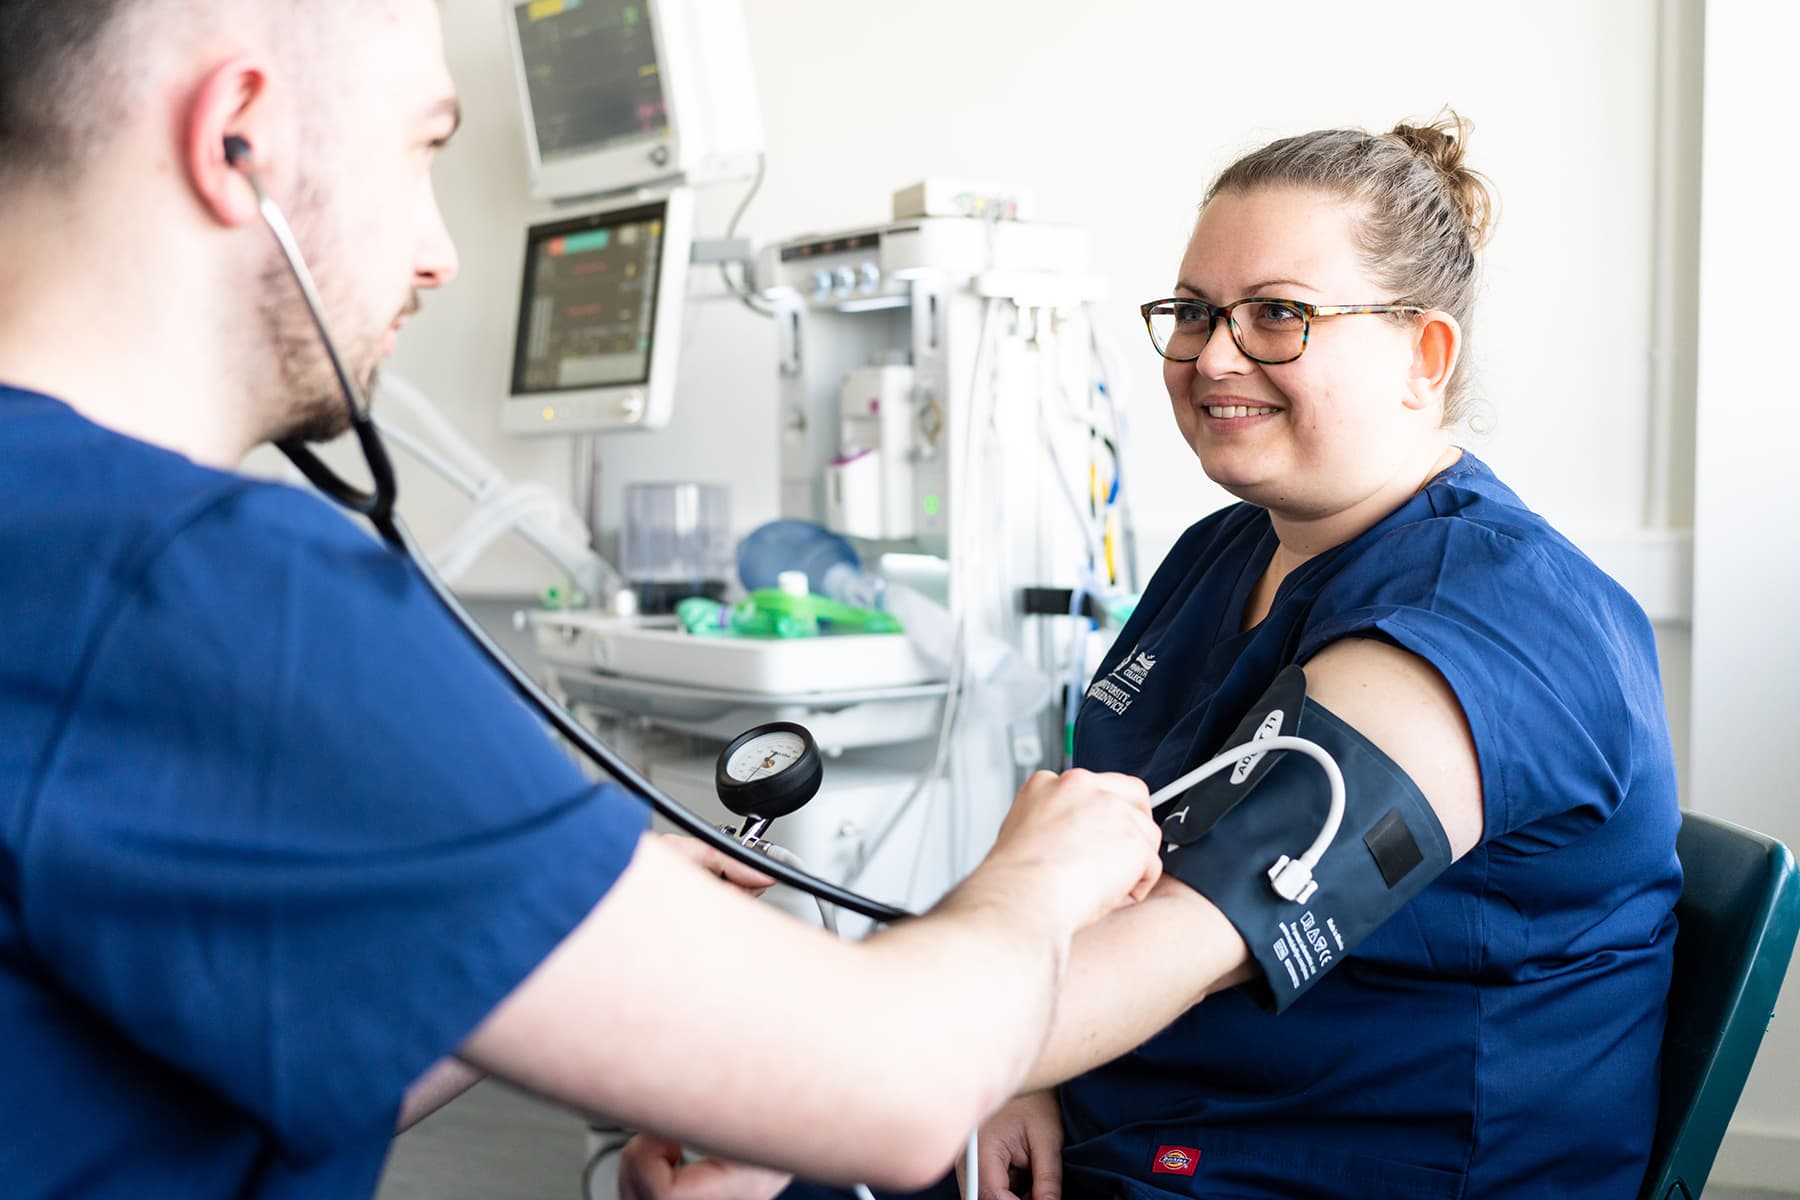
(1499,1034)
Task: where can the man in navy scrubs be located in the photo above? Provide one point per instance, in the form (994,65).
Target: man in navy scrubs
(273,840)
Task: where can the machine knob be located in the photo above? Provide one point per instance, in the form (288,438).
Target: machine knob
(871,276)
(846,279)
(821,283)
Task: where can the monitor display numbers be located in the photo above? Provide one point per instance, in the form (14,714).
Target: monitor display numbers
(598,334)
(592,73)
(590,307)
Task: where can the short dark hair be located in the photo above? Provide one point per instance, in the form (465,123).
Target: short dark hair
(50,111)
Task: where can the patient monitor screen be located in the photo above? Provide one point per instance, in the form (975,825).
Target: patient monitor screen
(592,73)
(588,308)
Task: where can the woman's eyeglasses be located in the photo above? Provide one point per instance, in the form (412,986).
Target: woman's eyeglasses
(1271,331)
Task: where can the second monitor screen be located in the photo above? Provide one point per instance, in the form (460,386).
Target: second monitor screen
(588,313)
(592,72)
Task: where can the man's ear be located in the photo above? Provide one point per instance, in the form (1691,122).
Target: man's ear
(1437,346)
(232,101)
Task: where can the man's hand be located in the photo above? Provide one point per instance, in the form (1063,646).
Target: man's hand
(1087,840)
(650,1169)
(717,863)
(1024,1137)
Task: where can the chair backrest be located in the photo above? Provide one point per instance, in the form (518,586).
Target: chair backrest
(1739,912)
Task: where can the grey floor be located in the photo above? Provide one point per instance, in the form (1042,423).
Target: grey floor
(495,1144)
(492,1143)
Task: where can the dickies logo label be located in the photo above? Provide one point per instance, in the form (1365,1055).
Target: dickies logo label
(1175,1160)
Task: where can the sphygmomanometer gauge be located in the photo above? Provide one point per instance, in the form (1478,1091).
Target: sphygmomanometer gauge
(768,772)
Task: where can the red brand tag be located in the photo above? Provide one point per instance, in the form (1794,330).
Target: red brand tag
(1175,1160)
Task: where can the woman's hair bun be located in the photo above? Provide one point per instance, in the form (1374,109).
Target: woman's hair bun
(1443,142)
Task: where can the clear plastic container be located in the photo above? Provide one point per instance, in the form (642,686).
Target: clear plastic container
(675,541)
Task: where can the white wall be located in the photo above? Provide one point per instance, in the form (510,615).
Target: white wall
(1746,659)
(1118,114)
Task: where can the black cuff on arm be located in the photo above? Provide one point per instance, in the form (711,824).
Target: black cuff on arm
(1223,835)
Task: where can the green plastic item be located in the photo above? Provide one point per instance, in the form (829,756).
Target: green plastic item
(836,616)
(1120,608)
(709,618)
(771,613)
(561,599)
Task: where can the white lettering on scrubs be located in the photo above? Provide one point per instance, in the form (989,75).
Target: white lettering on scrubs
(1122,685)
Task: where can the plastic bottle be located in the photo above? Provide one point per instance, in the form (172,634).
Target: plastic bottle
(848,583)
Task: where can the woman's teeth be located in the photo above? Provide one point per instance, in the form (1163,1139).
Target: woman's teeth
(1236,410)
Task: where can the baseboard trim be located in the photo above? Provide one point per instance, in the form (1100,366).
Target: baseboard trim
(1758,1157)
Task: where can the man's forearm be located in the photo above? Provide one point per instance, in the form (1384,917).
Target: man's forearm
(1132,974)
(884,1053)
(1012,959)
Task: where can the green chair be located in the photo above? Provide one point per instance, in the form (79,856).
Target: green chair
(1739,911)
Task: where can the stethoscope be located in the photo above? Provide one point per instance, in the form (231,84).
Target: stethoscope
(378,507)
(1291,878)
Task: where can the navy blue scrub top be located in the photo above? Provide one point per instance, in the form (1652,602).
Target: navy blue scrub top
(273,837)
(1500,1035)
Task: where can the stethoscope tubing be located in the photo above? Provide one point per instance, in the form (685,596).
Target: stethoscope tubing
(378,507)
(604,757)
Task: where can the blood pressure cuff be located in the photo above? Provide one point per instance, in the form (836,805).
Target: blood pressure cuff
(1223,835)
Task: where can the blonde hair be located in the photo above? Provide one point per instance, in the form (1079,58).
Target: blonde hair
(1424,215)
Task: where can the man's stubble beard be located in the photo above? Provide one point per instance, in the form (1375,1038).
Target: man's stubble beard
(311,405)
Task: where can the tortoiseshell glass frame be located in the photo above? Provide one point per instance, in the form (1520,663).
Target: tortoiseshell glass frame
(1308,314)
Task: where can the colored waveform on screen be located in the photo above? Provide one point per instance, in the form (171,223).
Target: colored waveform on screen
(592,306)
(539,10)
(592,73)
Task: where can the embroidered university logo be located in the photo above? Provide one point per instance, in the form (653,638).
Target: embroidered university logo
(1175,1160)
(1123,683)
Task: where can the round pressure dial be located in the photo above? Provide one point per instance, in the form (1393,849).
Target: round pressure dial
(768,772)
